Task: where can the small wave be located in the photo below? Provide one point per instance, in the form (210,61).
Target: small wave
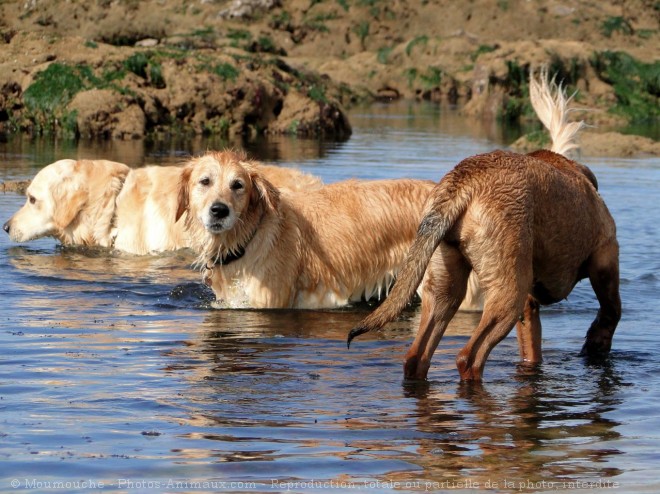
(647,277)
(196,294)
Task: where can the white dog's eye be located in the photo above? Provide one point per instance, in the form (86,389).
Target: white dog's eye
(205,181)
(32,199)
(236,185)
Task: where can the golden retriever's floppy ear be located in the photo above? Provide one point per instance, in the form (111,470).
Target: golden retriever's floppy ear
(184,197)
(69,199)
(263,191)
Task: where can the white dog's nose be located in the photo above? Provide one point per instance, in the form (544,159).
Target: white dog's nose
(6,227)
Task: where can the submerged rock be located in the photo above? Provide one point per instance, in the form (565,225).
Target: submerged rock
(17,186)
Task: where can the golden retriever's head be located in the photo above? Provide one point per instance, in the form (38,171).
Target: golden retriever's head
(224,192)
(54,198)
(61,196)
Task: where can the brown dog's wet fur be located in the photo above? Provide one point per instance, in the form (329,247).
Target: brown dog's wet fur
(530,226)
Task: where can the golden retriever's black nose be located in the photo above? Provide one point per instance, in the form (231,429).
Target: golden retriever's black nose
(219,210)
(6,227)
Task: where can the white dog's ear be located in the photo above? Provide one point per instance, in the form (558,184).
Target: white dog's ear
(264,191)
(69,199)
(184,197)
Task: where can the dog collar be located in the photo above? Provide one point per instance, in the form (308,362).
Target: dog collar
(229,257)
(235,254)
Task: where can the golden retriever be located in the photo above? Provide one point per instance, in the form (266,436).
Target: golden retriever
(264,247)
(530,231)
(108,204)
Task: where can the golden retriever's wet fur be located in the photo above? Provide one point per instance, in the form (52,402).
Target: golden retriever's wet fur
(107,204)
(264,247)
(530,226)
(146,207)
(71,200)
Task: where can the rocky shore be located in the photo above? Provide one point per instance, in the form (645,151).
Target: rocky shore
(125,69)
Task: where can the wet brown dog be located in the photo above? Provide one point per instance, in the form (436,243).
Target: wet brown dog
(530,226)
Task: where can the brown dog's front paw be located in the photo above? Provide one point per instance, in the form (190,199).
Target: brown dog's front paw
(597,343)
(596,348)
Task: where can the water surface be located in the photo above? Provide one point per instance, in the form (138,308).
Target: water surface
(115,370)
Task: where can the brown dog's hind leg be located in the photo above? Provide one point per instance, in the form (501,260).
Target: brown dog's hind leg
(529,332)
(604,276)
(445,285)
(491,330)
(505,300)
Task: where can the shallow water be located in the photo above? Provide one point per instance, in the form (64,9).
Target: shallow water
(115,371)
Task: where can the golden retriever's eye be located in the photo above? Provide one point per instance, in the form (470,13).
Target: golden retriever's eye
(32,199)
(237,185)
(205,181)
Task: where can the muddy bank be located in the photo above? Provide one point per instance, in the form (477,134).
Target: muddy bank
(72,86)
(601,144)
(16,186)
(126,69)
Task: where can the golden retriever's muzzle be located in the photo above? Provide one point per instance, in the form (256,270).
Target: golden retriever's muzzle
(220,217)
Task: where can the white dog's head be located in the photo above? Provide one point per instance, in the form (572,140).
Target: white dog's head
(57,195)
(53,199)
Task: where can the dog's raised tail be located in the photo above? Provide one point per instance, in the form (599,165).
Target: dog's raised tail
(552,106)
(440,217)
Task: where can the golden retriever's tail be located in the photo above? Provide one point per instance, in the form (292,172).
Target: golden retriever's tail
(552,107)
(443,209)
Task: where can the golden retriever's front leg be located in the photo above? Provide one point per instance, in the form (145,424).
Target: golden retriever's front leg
(214,279)
(529,332)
